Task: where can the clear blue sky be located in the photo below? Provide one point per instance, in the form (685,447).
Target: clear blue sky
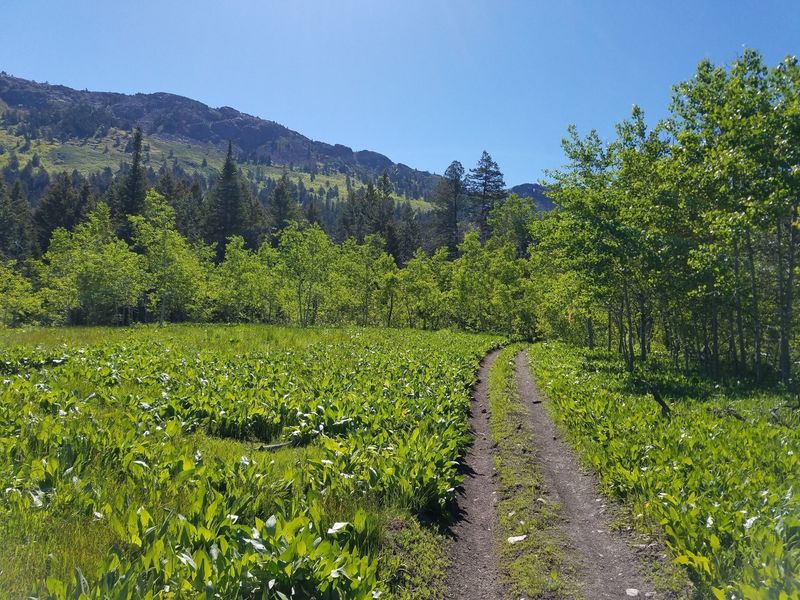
(422,81)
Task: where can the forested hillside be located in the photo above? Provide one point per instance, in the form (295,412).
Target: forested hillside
(86,130)
(656,271)
(682,235)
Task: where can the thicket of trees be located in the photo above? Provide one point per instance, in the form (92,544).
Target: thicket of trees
(686,234)
(683,236)
(93,275)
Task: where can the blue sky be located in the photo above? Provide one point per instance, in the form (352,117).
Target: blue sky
(423,81)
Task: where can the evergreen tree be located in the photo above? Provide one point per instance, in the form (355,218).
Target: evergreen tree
(6,221)
(16,230)
(381,206)
(227,206)
(22,241)
(408,234)
(448,199)
(283,206)
(312,213)
(486,188)
(132,189)
(353,218)
(62,206)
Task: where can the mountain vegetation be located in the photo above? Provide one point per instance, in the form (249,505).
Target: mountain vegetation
(244,461)
(682,235)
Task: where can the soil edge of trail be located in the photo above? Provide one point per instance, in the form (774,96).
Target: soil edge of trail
(606,565)
(474,572)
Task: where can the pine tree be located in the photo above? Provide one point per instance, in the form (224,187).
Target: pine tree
(381,206)
(6,221)
(448,198)
(487,188)
(312,213)
(283,206)
(408,233)
(22,242)
(132,189)
(227,206)
(61,206)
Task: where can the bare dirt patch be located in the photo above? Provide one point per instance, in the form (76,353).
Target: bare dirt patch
(606,565)
(474,572)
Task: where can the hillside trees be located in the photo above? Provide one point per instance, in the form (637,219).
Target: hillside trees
(448,198)
(487,188)
(232,209)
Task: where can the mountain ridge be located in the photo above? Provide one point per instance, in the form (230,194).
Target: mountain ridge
(64,113)
(58,112)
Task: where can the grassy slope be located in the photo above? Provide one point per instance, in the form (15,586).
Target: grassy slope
(94,155)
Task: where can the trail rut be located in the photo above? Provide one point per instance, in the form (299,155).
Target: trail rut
(606,565)
(474,573)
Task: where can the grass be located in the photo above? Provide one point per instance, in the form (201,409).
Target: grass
(537,566)
(159,418)
(714,478)
(413,559)
(228,338)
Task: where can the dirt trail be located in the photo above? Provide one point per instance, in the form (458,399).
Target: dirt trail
(474,573)
(606,565)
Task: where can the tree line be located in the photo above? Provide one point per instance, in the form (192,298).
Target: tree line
(170,252)
(679,239)
(684,235)
(35,203)
(95,275)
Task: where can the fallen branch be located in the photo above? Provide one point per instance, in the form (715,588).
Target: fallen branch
(728,412)
(274,446)
(665,410)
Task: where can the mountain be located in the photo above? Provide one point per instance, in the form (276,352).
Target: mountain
(65,117)
(50,128)
(535,191)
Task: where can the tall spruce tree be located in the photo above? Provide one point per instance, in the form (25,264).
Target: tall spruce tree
(448,198)
(6,221)
(381,205)
(228,208)
(283,207)
(408,233)
(22,243)
(132,189)
(486,188)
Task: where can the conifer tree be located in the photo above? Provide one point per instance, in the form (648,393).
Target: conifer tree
(62,206)
(381,206)
(283,206)
(408,234)
(227,206)
(132,189)
(487,188)
(448,198)
(22,242)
